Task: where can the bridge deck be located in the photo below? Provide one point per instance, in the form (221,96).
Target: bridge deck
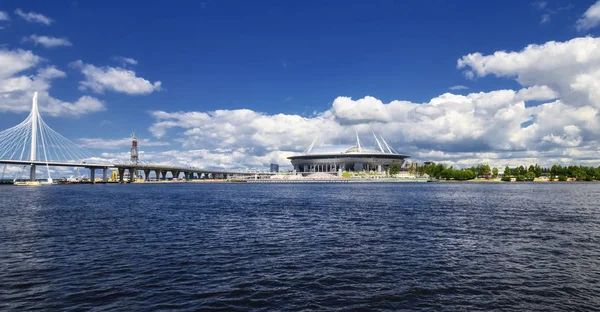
(151,167)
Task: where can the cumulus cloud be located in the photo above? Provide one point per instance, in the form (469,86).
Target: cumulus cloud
(99,79)
(34,17)
(15,61)
(590,19)
(20,77)
(48,42)
(459,87)
(569,68)
(84,105)
(365,110)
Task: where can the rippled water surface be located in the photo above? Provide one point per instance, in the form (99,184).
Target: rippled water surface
(438,246)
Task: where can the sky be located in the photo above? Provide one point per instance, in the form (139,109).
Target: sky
(242,84)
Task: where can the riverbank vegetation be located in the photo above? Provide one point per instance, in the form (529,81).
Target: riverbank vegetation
(520,173)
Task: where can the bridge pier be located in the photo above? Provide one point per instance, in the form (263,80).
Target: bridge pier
(32,173)
(105,175)
(131,175)
(147,175)
(93,175)
(157,173)
(175,174)
(121,174)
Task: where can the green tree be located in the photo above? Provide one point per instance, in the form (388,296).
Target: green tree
(562,178)
(495,172)
(506,177)
(447,174)
(530,176)
(538,171)
(394,169)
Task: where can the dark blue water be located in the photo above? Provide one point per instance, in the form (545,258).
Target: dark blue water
(322,247)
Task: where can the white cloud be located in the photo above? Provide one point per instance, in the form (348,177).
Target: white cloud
(568,68)
(571,137)
(84,105)
(125,60)
(537,93)
(371,110)
(48,42)
(4,16)
(590,19)
(99,79)
(19,80)
(51,72)
(34,17)
(459,87)
(15,61)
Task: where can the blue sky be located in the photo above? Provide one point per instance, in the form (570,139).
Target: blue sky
(277,57)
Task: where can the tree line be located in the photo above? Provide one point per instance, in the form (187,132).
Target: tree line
(520,173)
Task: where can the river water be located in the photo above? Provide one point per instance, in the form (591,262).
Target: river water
(294,247)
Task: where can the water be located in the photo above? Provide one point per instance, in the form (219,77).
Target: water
(326,247)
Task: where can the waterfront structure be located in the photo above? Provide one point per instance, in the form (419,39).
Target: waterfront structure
(274,168)
(354,158)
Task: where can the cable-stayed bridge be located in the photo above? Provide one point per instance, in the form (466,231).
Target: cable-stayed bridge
(33,143)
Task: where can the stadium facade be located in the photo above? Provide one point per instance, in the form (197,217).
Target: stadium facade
(354,158)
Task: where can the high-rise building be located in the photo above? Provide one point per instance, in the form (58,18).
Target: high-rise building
(274,168)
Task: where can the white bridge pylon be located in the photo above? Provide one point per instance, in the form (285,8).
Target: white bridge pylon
(35,141)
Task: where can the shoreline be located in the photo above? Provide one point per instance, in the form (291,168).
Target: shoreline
(332,181)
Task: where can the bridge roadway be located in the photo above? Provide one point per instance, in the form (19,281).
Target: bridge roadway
(159,170)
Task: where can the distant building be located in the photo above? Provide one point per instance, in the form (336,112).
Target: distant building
(274,168)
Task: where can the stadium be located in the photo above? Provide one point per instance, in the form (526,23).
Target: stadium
(353,158)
